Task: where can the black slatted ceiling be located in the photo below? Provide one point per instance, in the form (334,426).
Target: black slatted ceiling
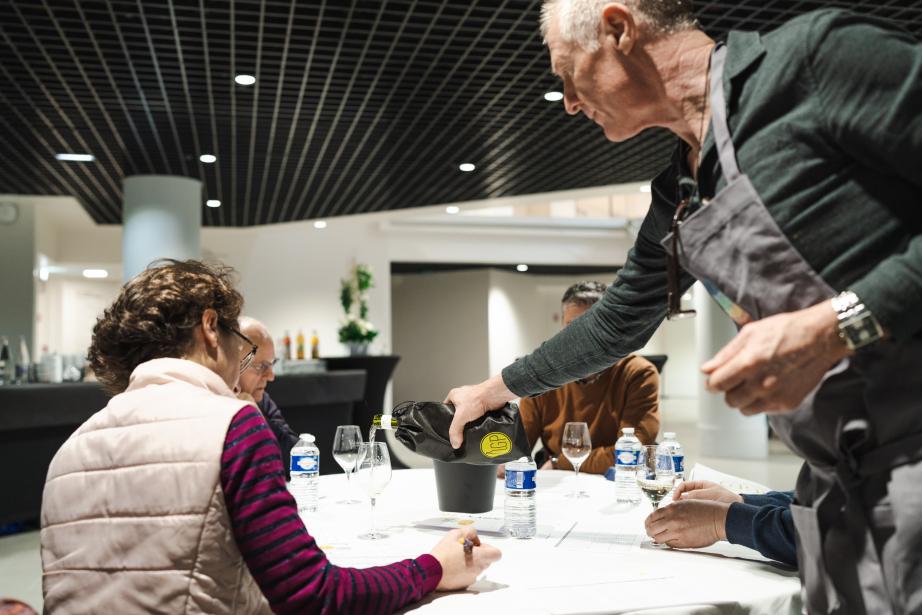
(358,106)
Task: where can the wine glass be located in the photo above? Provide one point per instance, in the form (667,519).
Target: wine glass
(576,445)
(346,444)
(373,474)
(655,477)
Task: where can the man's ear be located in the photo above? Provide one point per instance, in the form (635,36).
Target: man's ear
(209,328)
(619,24)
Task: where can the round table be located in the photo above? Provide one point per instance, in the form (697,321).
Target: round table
(590,556)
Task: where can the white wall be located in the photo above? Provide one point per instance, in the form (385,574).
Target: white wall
(67,309)
(440,332)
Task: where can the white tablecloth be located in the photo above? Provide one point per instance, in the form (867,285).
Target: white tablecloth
(590,555)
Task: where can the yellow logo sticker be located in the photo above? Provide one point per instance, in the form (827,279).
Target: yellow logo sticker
(495,444)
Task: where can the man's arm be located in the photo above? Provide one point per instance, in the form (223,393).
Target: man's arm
(868,76)
(767,529)
(641,407)
(620,322)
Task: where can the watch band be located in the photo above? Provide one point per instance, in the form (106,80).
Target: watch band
(857,325)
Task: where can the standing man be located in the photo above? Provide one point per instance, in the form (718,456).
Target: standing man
(793,194)
(253,382)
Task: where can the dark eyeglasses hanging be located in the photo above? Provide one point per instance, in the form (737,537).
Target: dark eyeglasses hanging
(688,192)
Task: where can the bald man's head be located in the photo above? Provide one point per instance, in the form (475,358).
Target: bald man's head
(254,380)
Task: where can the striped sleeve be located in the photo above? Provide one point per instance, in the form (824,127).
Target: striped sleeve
(291,570)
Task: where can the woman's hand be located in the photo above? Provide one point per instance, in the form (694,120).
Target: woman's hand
(460,568)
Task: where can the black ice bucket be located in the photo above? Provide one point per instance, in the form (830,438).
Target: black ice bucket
(465,487)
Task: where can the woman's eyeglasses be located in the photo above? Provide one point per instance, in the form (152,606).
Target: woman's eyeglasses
(675,311)
(248,358)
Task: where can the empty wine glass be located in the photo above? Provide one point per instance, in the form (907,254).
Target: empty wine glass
(346,444)
(373,474)
(655,477)
(576,446)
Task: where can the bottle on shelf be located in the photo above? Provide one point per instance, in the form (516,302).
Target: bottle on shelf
(6,362)
(286,342)
(627,461)
(519,506)
(23,371)
(305,473)
(300,346)
(315,345)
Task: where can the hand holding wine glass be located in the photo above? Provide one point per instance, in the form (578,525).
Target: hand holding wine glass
(346,443)
(576,445)
(373,475)
(655,477)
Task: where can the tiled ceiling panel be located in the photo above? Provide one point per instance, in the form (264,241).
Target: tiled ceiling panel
(357,107)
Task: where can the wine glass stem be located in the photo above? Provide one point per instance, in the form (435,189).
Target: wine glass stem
(373,525)
(576,480)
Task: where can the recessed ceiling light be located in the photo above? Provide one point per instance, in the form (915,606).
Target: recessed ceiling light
(452,209)
(645,188)
(522,268)
(207,158)
(320,224)
(245,79)
(95,273)
(553,96)
(467,167)
(76,157)
(213,203)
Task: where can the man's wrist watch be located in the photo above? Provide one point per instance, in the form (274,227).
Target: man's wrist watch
(857,325)
(554,462)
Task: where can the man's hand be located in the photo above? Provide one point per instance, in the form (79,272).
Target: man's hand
(773,363)
(689,524)
(472,402)
(704,490)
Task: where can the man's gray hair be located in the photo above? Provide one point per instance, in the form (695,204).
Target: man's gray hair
(579,20)
(584,293)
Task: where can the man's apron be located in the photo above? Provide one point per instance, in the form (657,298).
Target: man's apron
(859,494)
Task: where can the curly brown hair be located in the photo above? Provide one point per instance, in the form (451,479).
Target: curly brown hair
(154,315)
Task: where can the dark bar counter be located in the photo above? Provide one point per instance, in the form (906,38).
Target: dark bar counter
(35,419)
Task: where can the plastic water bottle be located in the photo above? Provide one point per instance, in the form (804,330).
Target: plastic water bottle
(520,510)
(670,446)
(305,473)
(627,460)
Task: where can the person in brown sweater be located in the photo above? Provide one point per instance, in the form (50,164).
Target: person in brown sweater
(623,395)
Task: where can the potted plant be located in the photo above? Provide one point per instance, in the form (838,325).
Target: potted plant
(356,332)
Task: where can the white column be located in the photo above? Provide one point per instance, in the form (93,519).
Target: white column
(723,431)
(17,270)
(161,218)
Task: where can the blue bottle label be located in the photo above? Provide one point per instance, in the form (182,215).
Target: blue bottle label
(520,479)
(625,457)
(678,462)
(305,463)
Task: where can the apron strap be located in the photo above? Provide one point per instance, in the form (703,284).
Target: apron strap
(725,150)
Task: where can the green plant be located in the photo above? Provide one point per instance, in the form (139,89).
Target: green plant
(353,293)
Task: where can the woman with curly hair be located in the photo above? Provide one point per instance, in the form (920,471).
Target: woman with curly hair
(172,498)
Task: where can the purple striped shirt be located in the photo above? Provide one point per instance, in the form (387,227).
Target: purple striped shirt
(290,569)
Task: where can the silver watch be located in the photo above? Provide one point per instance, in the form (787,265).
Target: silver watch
(857,325)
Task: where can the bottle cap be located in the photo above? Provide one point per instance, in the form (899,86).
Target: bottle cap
(307,437)
(628,430)
(669,435)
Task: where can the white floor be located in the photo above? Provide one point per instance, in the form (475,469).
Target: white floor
(20,562)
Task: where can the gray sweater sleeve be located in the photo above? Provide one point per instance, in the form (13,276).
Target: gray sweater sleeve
(621,322)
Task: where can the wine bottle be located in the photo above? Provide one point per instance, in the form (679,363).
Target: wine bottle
(384,421)
(315,346)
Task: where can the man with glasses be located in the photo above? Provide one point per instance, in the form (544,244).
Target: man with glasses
(254,379)
(793,195)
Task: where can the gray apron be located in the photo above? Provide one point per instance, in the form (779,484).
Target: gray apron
(859,494)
